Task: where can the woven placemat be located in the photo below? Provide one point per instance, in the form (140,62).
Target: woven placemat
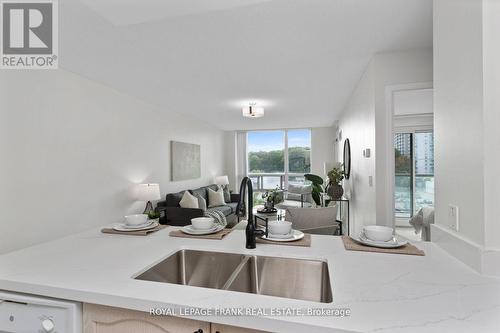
(306,241)
(352,245)
(218,235)
(132,233)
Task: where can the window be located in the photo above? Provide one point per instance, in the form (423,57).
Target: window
(276,158)
(414,172)
(266,159)
(299,155)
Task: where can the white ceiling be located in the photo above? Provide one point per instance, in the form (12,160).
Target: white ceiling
(299,58)
(125,12)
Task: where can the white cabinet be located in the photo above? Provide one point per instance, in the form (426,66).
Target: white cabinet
(219,328)
(104,319)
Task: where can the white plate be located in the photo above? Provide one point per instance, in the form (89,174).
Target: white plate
(188,229)
(295,236)
(386,245)
(121,227)
(138,226)
(287,236)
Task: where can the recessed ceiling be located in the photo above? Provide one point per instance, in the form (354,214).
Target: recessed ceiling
(209,58)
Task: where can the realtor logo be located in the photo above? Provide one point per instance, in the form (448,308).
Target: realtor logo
(29,34)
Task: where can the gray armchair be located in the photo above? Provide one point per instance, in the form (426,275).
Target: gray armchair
(297,196)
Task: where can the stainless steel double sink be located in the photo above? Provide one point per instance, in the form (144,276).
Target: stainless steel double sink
(301,279)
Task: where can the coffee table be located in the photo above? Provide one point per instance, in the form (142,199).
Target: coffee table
(262,218)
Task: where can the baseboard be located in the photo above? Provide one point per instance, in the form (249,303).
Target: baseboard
(491,263)
(483,260)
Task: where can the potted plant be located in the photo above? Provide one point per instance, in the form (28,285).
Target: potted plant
(317,187)
(335,176)
(272,197)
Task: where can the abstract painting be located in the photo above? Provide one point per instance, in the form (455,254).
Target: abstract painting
(185,161)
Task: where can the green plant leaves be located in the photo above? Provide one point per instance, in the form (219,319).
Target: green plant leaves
(316,197)
(315,179)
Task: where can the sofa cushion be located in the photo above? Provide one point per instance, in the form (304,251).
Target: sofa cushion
(213,187)
(227,194)
(189,201)
(226,210)
(173,199)
(233,207)
(202,203)
(202,192)
(215,198)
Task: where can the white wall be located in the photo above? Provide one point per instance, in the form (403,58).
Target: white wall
(366,122)
(72,148)
(491,70)
(393,69)
(466,104)
(322,149)
(458,118)
(412,102)
(357,124)
(230,159)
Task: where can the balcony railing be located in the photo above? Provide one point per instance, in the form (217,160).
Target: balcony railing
(269,181)
(410,197)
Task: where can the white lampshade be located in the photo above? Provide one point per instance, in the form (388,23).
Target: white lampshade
(147,192)
(222,180)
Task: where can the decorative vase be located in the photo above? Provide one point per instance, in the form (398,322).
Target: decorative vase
(335,191)
(268,208)
(269,205)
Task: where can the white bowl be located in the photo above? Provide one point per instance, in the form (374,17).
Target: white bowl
(378,233)
(136,219)
(202,223)
(280,227)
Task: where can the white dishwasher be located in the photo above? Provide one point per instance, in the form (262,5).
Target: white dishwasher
(20,313)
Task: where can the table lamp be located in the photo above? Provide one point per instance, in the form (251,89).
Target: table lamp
(148,193)
(222,181)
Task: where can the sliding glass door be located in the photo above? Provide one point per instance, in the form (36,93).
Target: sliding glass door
(414,173)
(424,170)
(403,194)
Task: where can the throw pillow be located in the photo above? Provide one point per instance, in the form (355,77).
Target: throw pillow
(227,194)
(202,203)
(215,198)
(188,201)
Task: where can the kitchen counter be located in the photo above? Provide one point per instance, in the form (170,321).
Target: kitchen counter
(384,292)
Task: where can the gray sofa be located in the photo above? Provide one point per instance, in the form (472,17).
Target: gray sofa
(172,213)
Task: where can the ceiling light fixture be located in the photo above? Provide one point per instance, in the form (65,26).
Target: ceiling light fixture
(253,111)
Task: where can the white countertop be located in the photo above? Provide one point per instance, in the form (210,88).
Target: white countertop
(385,292)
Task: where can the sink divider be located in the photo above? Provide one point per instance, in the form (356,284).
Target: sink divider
(182,263)
(235,273)
(255,275)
